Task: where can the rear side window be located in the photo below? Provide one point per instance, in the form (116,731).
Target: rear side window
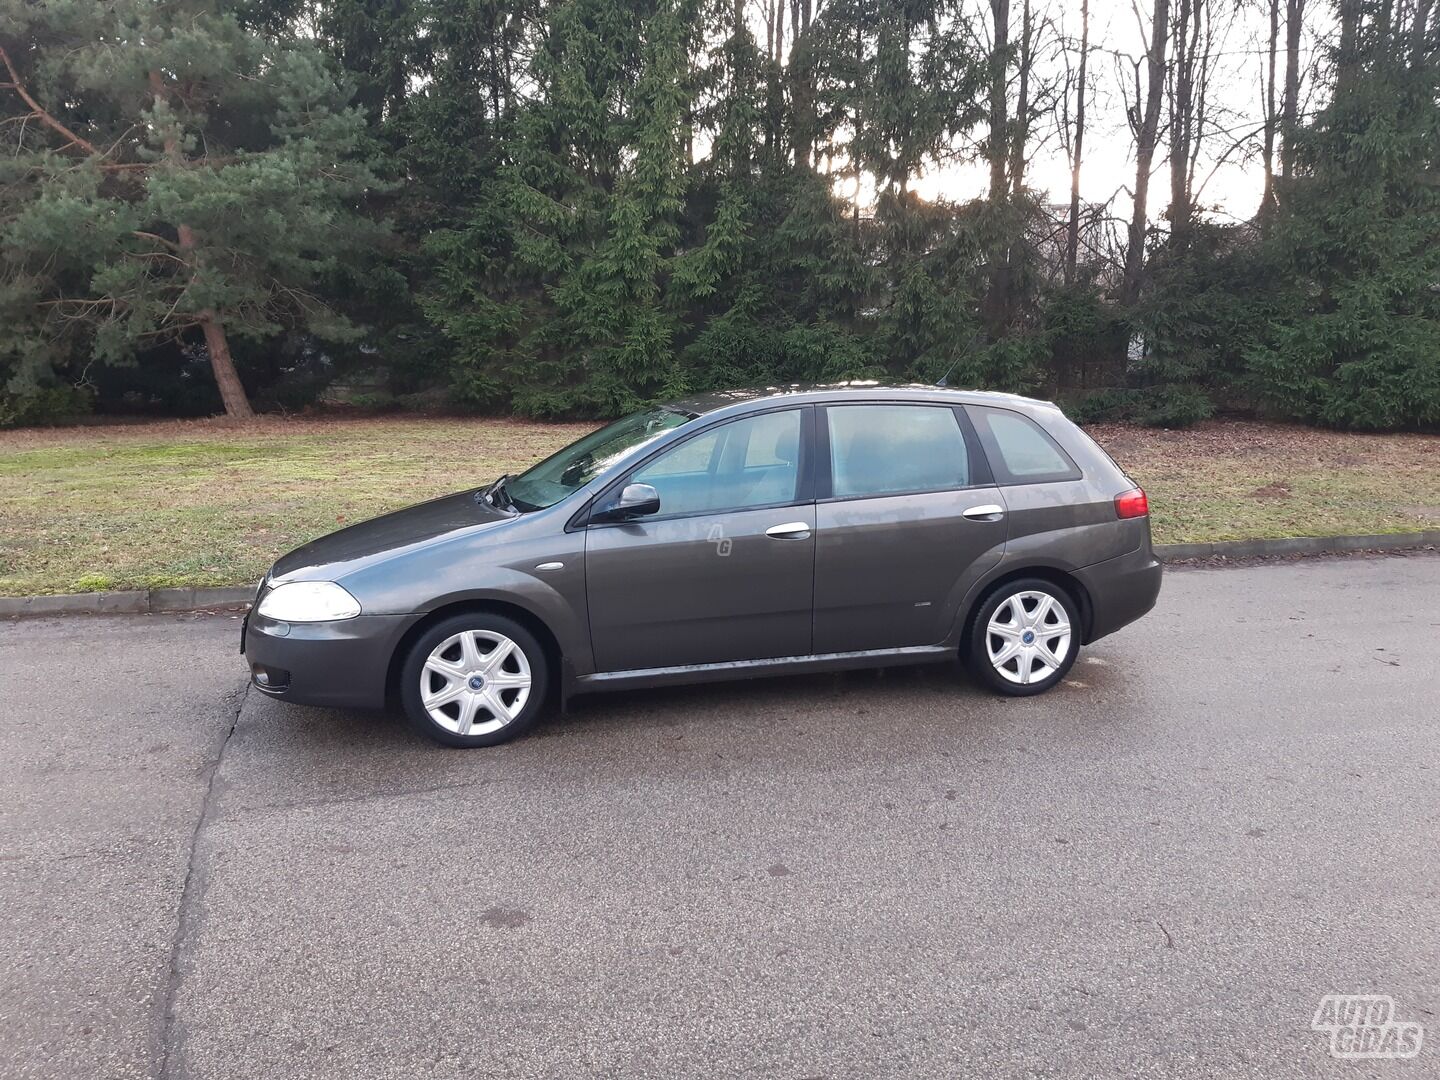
(1020,450)
(895,450)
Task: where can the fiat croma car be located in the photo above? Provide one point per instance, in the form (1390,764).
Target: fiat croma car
(731,536)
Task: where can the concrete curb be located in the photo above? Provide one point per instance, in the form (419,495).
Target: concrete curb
(134,602)
(155,601)
(1299,545)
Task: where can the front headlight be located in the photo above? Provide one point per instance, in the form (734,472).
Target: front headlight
(308,601)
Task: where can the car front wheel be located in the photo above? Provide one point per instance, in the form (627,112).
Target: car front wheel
(474,680)
(1024,637)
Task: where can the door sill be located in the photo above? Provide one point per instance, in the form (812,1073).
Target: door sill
(750,669)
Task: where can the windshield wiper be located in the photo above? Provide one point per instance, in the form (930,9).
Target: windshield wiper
(497,496)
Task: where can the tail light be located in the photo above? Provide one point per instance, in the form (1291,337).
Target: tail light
(1131,504)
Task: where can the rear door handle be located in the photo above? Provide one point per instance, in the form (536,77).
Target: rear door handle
(791,530)
(988,512)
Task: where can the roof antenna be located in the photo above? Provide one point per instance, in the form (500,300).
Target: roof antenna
(944,380)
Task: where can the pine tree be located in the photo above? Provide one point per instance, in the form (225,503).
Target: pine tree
(567,312)
(1357,243)
(177,177)
(904,83)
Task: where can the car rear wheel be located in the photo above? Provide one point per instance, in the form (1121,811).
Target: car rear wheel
(1024,637)
(475,680)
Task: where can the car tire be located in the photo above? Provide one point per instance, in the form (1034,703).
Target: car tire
(475,680)
(1024,637)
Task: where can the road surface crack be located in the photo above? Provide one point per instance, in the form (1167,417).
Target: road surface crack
(187,915)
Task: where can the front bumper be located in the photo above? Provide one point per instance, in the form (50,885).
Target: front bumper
(341,664)
(1120,590)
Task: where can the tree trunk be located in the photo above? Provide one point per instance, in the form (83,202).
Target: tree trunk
(995,308)
(1187,38)
(802,90)
(1072,242)
(1267,198)
(1020,129)
(999,123)
(1290,107)
(741,164)
(1145,139)
(494,73)
(232,391)
(1417,32)
(1347,58)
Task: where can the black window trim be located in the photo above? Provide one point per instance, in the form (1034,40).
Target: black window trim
(1003,476)
(980,474)
(804,484)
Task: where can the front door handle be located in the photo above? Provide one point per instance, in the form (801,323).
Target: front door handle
(791,530)
(988,512)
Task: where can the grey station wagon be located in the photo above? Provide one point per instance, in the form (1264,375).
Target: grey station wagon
(731,536)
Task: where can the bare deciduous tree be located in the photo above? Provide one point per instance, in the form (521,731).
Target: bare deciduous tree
(1272,117)
(1145,123)
(1077,148)
(1189,19)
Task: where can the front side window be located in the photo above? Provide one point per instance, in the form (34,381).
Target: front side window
(575,466)
(1020,451)
(895,450)
(745,463)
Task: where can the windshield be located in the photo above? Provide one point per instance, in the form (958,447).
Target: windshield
(561,473)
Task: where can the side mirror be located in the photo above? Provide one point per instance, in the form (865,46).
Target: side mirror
(636,500)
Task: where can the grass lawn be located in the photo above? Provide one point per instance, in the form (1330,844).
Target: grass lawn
(214,503)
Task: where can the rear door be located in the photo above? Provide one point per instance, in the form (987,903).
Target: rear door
(907,518)
(725,570)
(1051,506)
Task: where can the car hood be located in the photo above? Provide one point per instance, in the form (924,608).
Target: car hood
(341,552)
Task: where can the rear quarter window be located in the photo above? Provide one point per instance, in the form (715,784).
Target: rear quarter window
(1020,450)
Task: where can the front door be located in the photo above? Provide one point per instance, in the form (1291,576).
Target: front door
(725,570)
(907,520)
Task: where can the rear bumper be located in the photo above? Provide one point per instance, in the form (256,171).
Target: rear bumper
(340,664)
(1121,590)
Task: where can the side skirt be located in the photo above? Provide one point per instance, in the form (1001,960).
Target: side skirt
(755,669)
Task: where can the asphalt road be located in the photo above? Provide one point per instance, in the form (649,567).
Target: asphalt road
(1157,870)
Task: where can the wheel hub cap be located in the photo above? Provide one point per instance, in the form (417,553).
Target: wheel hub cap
(475,682)
(1028,637)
